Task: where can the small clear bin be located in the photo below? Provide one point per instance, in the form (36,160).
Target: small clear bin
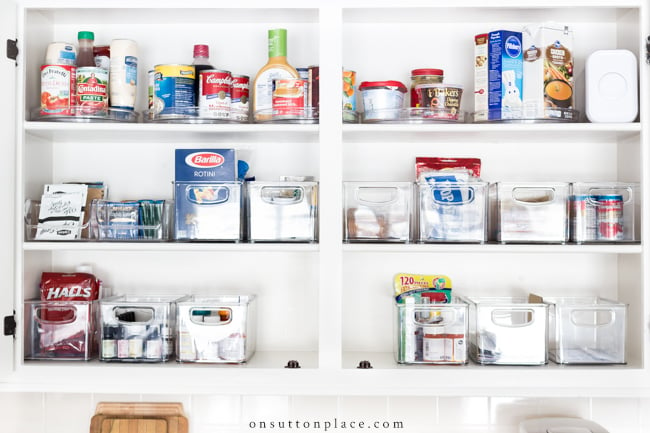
(60,330)
(431,333)
(137,328)
(530,212)
(452,212)
(378,211)
(586,330)
(217,329)
(54,230)
(282,211)
(210,211)
(138,220)
(508,331)
(603,212)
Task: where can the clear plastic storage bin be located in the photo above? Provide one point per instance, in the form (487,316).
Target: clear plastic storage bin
(377,211)
(59,230)
(530,212)
(603,212)
(586,330)
(60,330)
(137,328)
(210,211)
(282,211)
(217,329)
(431,333)
(138,220)
(452,212)
(507,330)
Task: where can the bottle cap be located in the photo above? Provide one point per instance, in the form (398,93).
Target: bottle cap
(201,51)
(86,35)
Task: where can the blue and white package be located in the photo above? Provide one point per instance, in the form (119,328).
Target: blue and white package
(505,75)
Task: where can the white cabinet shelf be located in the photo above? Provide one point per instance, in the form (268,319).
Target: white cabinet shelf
(329,305)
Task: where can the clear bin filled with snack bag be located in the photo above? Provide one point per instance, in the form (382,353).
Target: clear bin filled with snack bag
(132,220)
(428,332)
(452,211)
(283,211)
(507,331)
(533,212)
(377,211)
(210,211)
(603,212)
(219,329)
(586,330)
(137,328)
(60,330)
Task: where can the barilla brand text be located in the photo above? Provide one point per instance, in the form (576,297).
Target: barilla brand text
(204,160)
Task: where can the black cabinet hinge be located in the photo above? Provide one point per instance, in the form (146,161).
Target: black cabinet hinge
(10,325)
(12,49)
(647,49)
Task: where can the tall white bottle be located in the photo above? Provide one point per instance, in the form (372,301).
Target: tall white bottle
(123,77)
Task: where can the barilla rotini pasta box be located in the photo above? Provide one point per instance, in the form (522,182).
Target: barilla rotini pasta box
(207,195)
(505,75)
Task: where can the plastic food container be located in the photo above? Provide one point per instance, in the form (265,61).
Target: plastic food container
(60,330)
(282,211)
(431,333)
(507,330)
(586,330)
(603,212)
(442,101)
(423,76)
(137,328)
(141,220)
(217,329)
(377,211)
(452,212)
(530,212)
(382,100)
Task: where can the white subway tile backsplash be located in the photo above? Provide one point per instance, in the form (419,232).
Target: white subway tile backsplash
(22,412)
(67,413)
(221,410)
(618,415)
(464,410)
(313,407)
(417,413)
(363,407)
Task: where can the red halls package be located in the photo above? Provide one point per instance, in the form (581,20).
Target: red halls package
(59,286)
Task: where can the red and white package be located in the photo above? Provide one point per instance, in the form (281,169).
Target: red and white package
(75,286)
(424,164)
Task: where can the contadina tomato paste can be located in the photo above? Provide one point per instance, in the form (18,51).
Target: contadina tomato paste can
(92,91)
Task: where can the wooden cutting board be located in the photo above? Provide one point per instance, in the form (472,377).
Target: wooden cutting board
(139,418)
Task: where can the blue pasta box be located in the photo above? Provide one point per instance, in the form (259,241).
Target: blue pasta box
(505,72)
(206,165)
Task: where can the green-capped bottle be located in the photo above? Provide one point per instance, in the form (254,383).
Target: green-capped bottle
(277,67)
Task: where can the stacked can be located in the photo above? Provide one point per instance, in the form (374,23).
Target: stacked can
(582,218)
(239,98)
(609,217)
(596,217)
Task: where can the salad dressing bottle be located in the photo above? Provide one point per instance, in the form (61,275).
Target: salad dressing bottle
(277,67)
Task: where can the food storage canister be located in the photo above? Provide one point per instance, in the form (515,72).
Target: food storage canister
(423,76)
(382,100)
(441,101)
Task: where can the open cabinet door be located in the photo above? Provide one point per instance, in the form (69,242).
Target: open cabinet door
(8,109)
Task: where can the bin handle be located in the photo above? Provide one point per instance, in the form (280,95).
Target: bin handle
(517,193)
(121,309)
(66,320)
(499,317)
(282,195)
(198,315)
(575,317)
(363,195)
(593,191)
(446,316)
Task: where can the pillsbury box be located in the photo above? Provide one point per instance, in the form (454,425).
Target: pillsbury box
(206,165)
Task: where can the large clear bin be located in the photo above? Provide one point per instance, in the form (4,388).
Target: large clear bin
(530,212)
(431,333)
(210,211)
(452,212)
(137,328)
(586,330)
(60,330)
(282,211)
(377,211)
(220,329)
(603,212)
(507,330)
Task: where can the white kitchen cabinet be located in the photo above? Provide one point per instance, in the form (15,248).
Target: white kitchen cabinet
(329,305)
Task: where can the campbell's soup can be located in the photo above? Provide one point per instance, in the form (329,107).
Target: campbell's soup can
(92,90)
(610,217)
(288,98)
(173,89)
(58,87)
(215,90)
(239,107)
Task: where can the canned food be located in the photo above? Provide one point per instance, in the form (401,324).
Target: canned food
(92,90)
(382,100)
(582,218)
(423,76)
(150,89)
(610,217)
(288,97)
(349,96)
(173,89)
(313,99)
(239,108)
(215,89)
(441,101)
(58,87)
